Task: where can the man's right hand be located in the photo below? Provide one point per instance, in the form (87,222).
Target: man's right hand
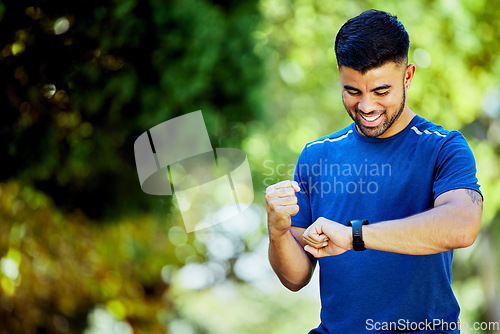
(291,263)
(281,205)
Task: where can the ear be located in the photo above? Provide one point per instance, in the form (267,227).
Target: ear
(409,73)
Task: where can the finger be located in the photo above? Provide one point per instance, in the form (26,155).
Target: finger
(274,187)
(316,244)
(287,210)
(284,184)
(315,241)
(312,232)
(281,192)
(314,251)
(284,192)
(295,186)
(276,201)
(314,238)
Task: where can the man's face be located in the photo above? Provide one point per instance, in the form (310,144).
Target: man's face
(376,99)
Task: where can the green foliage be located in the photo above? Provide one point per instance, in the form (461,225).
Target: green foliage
(55,269)
(251,310)
(84,79)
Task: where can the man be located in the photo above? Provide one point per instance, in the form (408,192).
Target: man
(391,182)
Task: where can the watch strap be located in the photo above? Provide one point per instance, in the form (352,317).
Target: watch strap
(357,234)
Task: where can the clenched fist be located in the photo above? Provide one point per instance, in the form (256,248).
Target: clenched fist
(326,237)
(281,205)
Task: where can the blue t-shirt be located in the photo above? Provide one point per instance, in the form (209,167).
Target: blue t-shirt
(346,176)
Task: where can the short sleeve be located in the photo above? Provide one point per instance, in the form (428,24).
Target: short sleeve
(455,167)
(303,217)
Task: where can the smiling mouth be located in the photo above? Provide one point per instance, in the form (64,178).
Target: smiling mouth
(371,119)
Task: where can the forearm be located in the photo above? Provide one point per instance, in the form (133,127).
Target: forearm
(453,223)
(290,262)
(438,230)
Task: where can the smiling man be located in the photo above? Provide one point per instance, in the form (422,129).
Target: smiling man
(383,234)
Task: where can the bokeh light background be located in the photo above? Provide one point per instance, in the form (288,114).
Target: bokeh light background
(83,250)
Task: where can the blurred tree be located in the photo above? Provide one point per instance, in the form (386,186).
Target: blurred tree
(80,81)
(55,270)
(83,79)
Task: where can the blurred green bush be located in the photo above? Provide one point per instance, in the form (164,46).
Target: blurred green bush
(58,268)
(83,79)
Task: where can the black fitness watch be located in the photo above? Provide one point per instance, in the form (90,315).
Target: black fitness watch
(357,234)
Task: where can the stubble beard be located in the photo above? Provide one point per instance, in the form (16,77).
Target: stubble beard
(374,132)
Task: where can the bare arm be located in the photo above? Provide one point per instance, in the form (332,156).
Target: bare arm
(453,223)
(292,265)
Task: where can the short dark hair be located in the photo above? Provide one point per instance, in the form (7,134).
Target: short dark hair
(370,40)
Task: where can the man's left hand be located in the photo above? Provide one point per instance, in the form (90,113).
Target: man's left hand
(326,237)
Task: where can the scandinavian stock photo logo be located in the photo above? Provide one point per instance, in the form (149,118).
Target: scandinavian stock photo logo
(324,177)
(210,185)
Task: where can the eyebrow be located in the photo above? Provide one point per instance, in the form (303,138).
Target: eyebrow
(347,87)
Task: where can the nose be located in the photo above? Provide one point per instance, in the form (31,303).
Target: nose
(366,104)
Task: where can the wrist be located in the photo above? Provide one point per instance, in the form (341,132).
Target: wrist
(349,238)
(345,238)
(277,233)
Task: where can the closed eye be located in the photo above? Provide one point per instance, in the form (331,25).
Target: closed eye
(382,93)
(352,92)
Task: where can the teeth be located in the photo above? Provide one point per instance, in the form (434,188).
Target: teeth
(371,119)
